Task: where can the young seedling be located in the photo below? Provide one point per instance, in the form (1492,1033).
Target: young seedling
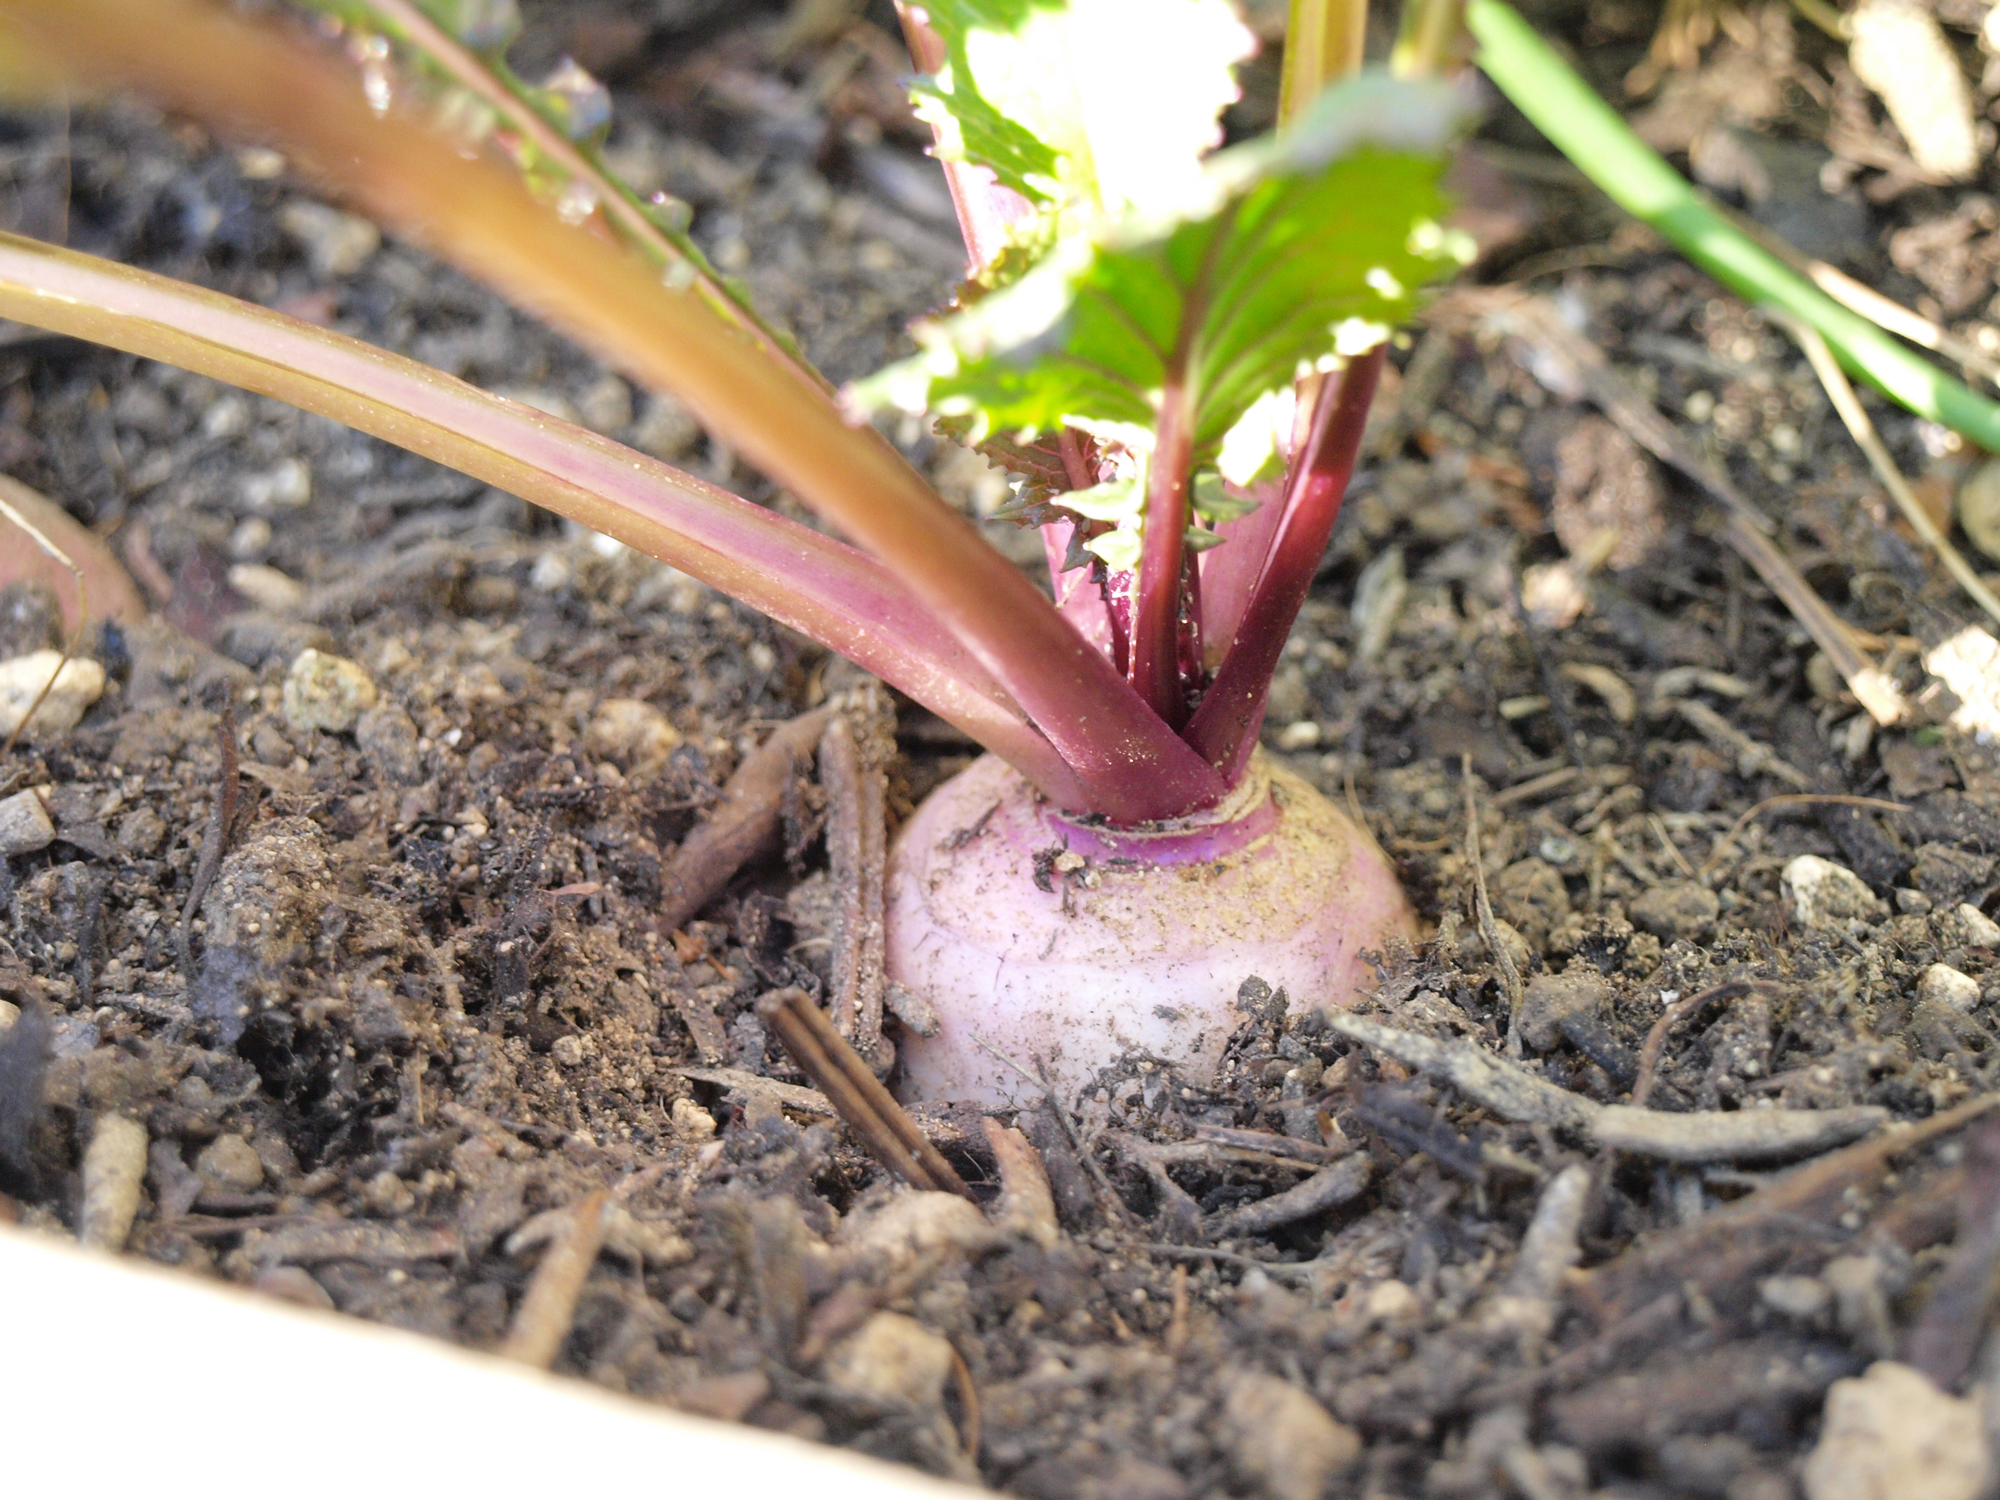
(1173,347)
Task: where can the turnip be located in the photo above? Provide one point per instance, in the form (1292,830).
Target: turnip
(1172,348)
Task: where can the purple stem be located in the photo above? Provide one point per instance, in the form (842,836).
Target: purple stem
(1225,727)
(1156,618)
(1229,572)
(816,585)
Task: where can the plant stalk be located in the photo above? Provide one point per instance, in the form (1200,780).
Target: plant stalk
(1156,617)
(1129,765)
(1224,728)
(1324,40)
(809,582)
(1635,177)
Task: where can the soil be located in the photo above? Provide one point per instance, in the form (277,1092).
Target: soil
(426,1009)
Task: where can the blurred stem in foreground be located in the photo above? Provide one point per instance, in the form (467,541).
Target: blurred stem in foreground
(1635,177)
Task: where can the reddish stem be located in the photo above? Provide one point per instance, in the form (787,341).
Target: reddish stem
(1225,727)
(986,210)
(1156,617)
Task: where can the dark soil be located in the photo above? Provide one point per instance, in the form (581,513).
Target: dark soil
(427,999)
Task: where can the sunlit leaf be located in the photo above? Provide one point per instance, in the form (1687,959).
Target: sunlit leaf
(1106,105)
(1308,245)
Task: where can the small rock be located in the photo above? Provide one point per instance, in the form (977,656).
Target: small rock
(388,736)
(326,692)
(1981,931)
(1824,894)
(141,831)
(1393,1303)
(79,684)
(114,1166)
(1550,999)
(1944,985)
(891,1358)
(387,1196)
(1300,734)
(286,485)
(1892,1435)
(229,1164)
(632,733)
(568,1051)
(9,1014)
(1900,51)
(24,824)
(1949,875)
(336,244)
(293,1284)
(1530,894)
(1677,909)
(1282,1440)
(1804,1299)
(267,588)
(691,1122)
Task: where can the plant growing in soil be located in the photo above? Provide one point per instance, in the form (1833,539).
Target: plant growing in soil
(1173,349)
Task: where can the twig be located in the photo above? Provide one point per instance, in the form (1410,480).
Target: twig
(543,1320)
(1753,756)
(856,844)
(743,824)
(1108,1200)
(214,840)
(1790,799)
(970,1428)
(1841,393)
(1489,932)
(1948,1332)
(1231,1258)
(1672,1016)
(1177,1318)
(869,1109)
(1340,1183)
(1704,1135)
(1571,366)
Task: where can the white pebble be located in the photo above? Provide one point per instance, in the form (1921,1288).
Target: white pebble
(1301,734)
(24,825)
(632,733)
(1981,931)
(1945,985)
(891,1358)
(267,588)
(1824,894)
(336,244)
(1891,1435)
(287,485)
(114,1165)
(9,1014)
(79,684)
(326,692)
(229,1163)
(1283,1441)
(1900,51)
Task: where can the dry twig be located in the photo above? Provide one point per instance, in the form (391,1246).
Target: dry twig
(869,1109)
(543,1320)
(1482,908)
(214,840)
(1789,799)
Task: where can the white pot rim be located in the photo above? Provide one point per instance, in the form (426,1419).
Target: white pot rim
(131,1379)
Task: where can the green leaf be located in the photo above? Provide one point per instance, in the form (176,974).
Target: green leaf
(1104,106)
(1296,248)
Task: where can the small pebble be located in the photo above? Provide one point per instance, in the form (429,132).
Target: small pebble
(1801,1298)
(1282,1440)
(1392,1302)
(114,1166)
(631,733)
(1552,998)
(1944,985)
(79,684)
(286,485)
(567,1051)
(267,588)
(1892,1435)
(1302,734)
(691,1122)
(24,824)
(141,831)
(229,1163)
(9,1014)
(387,1196)
(1981,931)
(1677,909)
(326,692)
(388,736)
(891,1358)
(336,244)
(1824,894)
(294,1284)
